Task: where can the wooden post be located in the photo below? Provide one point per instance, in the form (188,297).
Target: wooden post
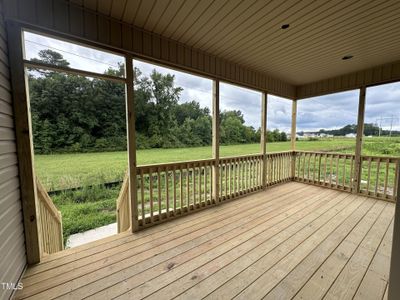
(23,131)
(359,140)
(131,133)
(215,140)
(293,137)
(394,279)
(263,141)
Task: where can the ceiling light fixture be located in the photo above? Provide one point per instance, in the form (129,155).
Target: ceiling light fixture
(285,26)
(347,57)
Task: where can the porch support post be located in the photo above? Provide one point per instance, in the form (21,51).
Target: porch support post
(23,131)
(215,140)
(131,133)
(359,140)
(293,137)
(394,279)
(263,140)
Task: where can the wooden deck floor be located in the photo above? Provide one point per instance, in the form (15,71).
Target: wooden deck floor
(291,241)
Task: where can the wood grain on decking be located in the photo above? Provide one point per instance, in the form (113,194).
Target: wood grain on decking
(291,241)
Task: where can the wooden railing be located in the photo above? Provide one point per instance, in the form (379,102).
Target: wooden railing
(239,175)
(172,189)
(279,167)
(334,170)
(124,206)
(50,223)
(337,170)
(379,176)
(165,191)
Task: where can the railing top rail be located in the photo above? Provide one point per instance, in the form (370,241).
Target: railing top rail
(351,154)
(175,164)
(46,200)
(391,158)
(325,153)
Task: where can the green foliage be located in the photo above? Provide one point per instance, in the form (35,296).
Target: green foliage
(77,114)
(86,209)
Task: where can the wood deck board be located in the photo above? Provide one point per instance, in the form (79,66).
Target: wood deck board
(293,240)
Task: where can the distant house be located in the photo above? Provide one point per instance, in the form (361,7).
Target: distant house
(350,135)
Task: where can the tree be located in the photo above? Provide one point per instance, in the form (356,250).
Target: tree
(76,113)
(52,58)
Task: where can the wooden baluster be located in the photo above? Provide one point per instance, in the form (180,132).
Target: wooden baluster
(351,173)
(395,181)
(378,165)
(221,187)
(200,181)
(386,178)
(174,183)
(325,164)
(167,190)
(142,196)
(337,170)
(235,188)
(308,167)
(151,196)
(369,175)
(304,166)
(205,183)
(211,183)
(330,170)
(226,179)
(261,168)
(181,187)
(188,186)
(159,193)
(319,168)
(344,172)
(257,173)
(298,165)
(194,185)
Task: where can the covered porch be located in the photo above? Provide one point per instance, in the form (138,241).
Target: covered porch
(293,224)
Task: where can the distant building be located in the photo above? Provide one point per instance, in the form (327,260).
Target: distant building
(350,135)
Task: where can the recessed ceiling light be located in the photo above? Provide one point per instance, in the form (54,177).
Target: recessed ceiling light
(285,26)
(347,57)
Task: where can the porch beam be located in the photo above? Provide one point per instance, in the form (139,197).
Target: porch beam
(394,277)
(359,141)
(215,139)
(23,131)
(263,140)
(131,134)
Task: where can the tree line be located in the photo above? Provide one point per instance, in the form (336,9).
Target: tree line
(72,113)
(370,129)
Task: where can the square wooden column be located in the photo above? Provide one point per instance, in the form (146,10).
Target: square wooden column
(359,141)
(131,133)
(23,131)
(215,140)
(293,137)
(394,279)
(263,139)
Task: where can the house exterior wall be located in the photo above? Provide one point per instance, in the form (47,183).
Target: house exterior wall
(12,242)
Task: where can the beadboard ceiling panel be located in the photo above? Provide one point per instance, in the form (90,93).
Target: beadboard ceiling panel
(248,32)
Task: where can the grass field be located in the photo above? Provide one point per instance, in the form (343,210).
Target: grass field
(62,171)
(93,207)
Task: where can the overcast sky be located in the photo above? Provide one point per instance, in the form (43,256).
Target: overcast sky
(331,111)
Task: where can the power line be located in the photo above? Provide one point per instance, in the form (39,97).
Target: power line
(75,54)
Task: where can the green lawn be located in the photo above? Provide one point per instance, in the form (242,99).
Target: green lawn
(93,207)
(60,171)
